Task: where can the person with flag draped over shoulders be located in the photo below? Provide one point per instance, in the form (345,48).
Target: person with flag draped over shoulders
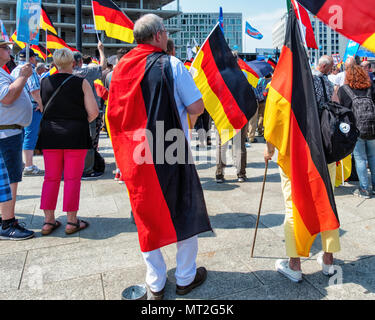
(292,126)
(150,96)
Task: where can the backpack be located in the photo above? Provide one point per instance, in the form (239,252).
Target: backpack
(364,112)
(339,131)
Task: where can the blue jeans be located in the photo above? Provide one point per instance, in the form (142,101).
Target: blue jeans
(31,132)
(364,151)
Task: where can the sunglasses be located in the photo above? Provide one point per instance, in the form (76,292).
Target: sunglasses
(5,47)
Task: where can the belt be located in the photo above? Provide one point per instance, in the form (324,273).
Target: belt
(10,126)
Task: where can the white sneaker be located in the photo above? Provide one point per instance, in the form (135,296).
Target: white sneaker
(327,269)
(33,171)
(282,266)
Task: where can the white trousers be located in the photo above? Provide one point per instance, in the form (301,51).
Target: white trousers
(156,275)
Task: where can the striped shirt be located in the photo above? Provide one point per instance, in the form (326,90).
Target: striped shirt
(32,84)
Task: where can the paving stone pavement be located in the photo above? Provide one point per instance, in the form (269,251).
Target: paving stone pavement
(100,262)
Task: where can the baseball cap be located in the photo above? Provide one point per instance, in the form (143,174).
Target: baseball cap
(22,53)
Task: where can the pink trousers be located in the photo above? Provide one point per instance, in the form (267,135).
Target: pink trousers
(72,163)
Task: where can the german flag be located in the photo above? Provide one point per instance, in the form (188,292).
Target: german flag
(41,51)
(272,62)
(54,42)
(166,196)
(251,75)
(101,90)
(13,38)
(109,17)
(227,95)
(45,22)
(50,72)
(353,19)
(187,64)
(292,125)
(38,49)
(304,18)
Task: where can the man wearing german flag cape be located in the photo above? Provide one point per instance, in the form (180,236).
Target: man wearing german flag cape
(149,96)
(292,125)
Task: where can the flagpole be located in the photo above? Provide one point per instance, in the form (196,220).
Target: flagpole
(93,17)
(300,24)
(46,47)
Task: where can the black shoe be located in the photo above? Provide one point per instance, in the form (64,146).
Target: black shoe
(156,295)
(200,277)
(92,175)
(219,179)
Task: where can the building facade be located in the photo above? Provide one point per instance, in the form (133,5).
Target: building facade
(328,41)
(62,14)
(198,26)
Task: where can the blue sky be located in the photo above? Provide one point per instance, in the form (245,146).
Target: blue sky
(260,14)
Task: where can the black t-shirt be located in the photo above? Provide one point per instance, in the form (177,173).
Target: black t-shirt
(64,124)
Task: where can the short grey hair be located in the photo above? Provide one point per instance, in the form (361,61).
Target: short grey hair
(146,27)
(40,66)
(63,58)
(325,61)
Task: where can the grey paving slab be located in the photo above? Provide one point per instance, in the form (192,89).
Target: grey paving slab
(11,269)
(82,259)
(83,288)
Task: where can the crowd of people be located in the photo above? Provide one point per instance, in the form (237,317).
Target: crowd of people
(62,116)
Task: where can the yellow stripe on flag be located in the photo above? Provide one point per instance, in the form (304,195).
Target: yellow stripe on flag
(113,30)
(303,237)
(277,126)
(211,101)
(370,43)
(253,80)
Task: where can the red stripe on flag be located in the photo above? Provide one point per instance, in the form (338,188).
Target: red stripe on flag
(218,86)
(311,199)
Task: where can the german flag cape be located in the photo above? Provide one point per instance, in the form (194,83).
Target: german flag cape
(45,22)
(227,94)
(292,125)
(353,19)
(166,199)
(109,17)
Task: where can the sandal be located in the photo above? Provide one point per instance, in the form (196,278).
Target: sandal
(54,227)
(77,226)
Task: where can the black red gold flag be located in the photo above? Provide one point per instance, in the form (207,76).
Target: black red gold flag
(109,17)
(227,95)
(166,196)
(353,19)
(292,125)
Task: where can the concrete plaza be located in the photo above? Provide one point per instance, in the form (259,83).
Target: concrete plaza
(101,261)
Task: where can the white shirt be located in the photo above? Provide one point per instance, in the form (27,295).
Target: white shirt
(185,91)
(19,112)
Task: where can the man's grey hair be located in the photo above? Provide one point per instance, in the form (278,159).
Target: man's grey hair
(40,66)
(325,61)
(146,27)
